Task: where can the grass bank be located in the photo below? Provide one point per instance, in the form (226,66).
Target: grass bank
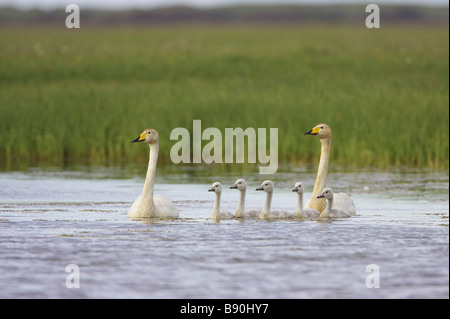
(83,95)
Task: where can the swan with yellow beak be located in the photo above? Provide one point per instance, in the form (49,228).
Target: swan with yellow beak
(148,205)
(342,201)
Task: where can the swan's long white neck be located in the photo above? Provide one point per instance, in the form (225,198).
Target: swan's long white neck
(322,171)
(147,192)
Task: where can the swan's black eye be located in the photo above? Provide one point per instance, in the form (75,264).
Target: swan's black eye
(321,127)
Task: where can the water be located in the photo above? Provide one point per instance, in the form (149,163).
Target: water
(51,219)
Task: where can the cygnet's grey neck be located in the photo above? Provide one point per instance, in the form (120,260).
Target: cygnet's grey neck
(217,203)
(241,204)
(300,203)
(268,203)
(329,207)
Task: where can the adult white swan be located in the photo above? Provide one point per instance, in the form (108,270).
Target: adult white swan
(148,205)
(267,212)
(300,212)
(330,211)
(342,201)
(241,212)
(217,213)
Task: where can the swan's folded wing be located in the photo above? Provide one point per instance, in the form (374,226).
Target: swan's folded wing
(344,202)
(279,213)
(251,213)
(224,214)
(309,213)
(165,207)
(133,212)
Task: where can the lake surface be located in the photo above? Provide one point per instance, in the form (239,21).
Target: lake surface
(50,219)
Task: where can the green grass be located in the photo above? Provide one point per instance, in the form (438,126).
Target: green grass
(81,96)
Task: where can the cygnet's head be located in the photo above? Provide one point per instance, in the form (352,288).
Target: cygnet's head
(298,188)
(321,130)
(326,193)
(239,184)
(216,187)
(149,136)
(266,186)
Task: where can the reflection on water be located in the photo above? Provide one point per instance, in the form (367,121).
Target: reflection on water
(50,219)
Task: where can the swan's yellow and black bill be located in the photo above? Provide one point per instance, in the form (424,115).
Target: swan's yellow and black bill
(314,131)
(140,138)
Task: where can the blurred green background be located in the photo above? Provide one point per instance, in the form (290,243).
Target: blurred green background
(79,96)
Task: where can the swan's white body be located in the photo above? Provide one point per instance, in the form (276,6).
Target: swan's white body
(303,212)
(147,205)
(267,212)
(330,211)
(217,213)
(241,212)
(342,201)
